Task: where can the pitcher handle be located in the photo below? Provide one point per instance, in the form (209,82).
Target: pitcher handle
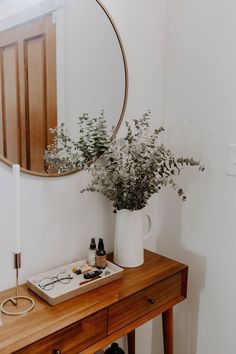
(149,230)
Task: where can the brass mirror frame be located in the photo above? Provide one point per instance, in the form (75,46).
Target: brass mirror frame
(41,174)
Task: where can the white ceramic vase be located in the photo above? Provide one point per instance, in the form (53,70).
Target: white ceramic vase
(129,236)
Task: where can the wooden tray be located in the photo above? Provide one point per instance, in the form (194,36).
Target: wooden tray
(61,292)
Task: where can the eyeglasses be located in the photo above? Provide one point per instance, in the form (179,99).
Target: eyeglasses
(48,283)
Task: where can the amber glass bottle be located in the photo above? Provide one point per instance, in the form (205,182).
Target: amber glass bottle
(101,258)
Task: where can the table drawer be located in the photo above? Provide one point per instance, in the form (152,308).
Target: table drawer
(143,302)
(72,339)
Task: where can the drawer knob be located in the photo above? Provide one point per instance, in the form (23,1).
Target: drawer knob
(56,351)
(151,301)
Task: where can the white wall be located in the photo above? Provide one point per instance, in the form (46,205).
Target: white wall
(93,64)
(200,117)
(57,221)
(9,8)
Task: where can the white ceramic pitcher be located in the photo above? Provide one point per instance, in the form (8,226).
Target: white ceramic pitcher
(129,237)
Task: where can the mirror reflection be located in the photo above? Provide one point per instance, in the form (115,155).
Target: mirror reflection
(58,60)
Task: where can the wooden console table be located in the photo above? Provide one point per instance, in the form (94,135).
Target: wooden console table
(93,320)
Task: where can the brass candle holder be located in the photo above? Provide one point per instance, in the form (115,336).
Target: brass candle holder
(17,299)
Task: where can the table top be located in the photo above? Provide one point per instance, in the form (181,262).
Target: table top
(19,331)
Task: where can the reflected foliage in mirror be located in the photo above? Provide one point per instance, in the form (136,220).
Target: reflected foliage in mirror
(66,154)
(58,59)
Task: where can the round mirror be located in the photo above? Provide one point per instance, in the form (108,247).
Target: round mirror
(59,60)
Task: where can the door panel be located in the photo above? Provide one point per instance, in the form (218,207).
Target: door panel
(36,102)
(1,110)
(11,102)
(28,91)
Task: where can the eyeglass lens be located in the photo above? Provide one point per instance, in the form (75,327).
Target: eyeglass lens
(48,283)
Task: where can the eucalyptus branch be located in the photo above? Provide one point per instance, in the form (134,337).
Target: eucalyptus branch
(127,171)
(67,154)
(137,166)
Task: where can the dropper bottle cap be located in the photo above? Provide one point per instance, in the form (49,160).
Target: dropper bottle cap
(100,244)
(92,244)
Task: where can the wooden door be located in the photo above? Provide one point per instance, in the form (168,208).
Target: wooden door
(27,91)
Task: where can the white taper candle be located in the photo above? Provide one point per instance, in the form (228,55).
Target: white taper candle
(16,201)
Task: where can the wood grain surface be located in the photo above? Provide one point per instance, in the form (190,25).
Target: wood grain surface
(19,332)
(72,339)
(28,95)
(143,302)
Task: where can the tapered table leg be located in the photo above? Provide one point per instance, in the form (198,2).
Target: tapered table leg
(131,342)
(167,323)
